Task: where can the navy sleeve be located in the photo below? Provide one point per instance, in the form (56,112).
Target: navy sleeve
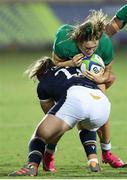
(42,92)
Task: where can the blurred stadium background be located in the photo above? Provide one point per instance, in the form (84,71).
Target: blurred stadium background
(31,24)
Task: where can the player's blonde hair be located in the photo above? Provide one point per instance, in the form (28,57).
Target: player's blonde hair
(38,68)
(92,28)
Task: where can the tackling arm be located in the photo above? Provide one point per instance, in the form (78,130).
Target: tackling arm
(46,105)
(102,77)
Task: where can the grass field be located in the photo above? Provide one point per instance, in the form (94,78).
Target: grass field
(20,113)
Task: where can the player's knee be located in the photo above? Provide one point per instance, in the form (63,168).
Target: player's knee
(80,126)
(43,133)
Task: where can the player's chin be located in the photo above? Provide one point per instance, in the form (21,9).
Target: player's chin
(89,54)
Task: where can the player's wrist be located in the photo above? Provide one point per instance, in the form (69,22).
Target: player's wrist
(73,63)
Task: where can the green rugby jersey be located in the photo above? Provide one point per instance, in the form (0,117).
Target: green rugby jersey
(66,48)
(122,14)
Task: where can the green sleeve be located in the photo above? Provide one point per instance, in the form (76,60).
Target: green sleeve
(58,49)
(61,42)
(108,53)
(122,13)
(105,49)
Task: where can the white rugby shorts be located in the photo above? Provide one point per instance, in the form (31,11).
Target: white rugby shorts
(90,106)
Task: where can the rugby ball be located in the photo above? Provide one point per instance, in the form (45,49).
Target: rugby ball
(93,63)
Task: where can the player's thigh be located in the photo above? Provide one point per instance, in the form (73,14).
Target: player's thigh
(51,127)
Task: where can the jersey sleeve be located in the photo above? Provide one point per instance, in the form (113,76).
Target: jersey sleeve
(58,49)
(122,14)
(61,42)
(109,52)
(42,92)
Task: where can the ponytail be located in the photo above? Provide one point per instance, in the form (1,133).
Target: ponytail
(38,68)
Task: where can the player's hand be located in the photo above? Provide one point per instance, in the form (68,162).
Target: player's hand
(98,78)
(77,60)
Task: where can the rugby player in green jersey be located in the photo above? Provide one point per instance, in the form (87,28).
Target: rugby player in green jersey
(70,45)
(118,21)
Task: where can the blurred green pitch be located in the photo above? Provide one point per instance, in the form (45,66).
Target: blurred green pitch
(20,112)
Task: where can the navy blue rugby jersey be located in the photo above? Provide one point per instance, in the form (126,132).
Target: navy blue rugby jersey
(55,82)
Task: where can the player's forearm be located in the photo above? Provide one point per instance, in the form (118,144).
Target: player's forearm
(105,76)
(114,26)
(64,63)
(47,105)
(61,62)
(107,72)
